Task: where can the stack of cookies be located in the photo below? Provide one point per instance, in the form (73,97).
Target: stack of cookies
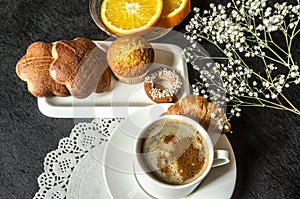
(68,67)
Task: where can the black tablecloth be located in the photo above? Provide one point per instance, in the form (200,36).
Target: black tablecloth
(265,142)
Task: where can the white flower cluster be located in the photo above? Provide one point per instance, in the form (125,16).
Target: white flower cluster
(244,31)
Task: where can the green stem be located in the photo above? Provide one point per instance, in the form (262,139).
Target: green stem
(208,56)
(288,101)
(284,30)
(214,43)
(274,53)
(279,48)
(215,58)
(297,32)
(268,104)
(270,79)
(268,47)
(270,58)
(291,41)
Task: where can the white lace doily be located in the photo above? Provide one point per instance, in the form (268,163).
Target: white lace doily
(60,163)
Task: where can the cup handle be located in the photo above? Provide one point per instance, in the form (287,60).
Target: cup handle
(221,157)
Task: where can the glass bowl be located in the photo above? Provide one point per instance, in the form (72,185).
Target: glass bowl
(95,5)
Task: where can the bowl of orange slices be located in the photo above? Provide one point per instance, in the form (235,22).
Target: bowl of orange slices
(151,19)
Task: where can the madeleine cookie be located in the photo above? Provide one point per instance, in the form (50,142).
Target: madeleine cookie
(80,64)
(34,67)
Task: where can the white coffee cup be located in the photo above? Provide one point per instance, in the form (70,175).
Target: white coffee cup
(160,189)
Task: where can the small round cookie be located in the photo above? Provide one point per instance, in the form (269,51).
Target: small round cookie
(162,84)
(129,58)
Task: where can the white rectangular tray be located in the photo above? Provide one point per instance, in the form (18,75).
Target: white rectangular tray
(122,99)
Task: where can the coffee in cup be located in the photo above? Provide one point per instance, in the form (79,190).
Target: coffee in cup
(174,152)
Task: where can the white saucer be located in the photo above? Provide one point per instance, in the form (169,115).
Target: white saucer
(118,159)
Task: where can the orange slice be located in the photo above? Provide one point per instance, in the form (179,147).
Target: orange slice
(125,17)
(174,12)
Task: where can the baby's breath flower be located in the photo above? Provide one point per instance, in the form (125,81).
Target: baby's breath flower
(243,30)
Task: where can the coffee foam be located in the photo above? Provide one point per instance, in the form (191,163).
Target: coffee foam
(175,152)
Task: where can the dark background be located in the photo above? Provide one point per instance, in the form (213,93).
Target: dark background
(266,142)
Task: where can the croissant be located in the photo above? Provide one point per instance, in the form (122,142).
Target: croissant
(209,115)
